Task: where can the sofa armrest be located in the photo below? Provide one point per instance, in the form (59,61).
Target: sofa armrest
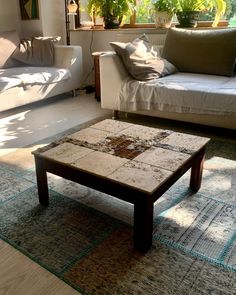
(112,72)
(70,57)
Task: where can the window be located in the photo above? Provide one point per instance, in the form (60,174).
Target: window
(144,14)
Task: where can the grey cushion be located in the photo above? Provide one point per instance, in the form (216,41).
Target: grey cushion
(141,61)
(201,51)
(8,43)
(35,52)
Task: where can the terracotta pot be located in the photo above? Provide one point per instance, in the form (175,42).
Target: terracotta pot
(163,19)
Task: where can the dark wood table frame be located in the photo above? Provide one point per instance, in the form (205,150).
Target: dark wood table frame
(143,202)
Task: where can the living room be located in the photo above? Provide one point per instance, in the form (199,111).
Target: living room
(82,242)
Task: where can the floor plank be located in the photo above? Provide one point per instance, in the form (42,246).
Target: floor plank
(19,275)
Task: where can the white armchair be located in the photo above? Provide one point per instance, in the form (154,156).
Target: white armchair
(66,57)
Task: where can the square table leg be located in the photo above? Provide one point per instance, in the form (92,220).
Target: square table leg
(196,171)
(143,224)
(42,182)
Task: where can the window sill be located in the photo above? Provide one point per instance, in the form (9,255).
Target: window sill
(151,27)
(200,24)
(208,24)
(123,29)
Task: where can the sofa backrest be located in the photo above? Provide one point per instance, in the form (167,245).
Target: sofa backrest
(201,51)
(9,40)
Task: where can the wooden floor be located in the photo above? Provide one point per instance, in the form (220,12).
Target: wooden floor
(19,275)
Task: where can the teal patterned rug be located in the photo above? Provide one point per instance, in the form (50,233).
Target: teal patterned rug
(85,237)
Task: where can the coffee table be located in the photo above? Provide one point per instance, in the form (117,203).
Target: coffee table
(131,162)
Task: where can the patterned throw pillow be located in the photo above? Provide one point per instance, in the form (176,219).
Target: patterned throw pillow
(141,61)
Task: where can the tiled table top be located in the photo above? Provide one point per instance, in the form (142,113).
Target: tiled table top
(134,155)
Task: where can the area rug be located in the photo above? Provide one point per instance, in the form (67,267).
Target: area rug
(85,237)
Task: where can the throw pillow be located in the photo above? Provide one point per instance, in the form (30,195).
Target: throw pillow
(8,42)
(201,51)
(141,61)
(35,52)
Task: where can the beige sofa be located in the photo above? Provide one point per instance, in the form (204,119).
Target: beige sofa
(21,84)
(208,99)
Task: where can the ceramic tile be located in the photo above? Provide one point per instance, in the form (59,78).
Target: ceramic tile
(163,158)
(67,152)
(121,146)
(140,175)
(90,135)
(111,125)
(142,132)
(100,163)
(185,141)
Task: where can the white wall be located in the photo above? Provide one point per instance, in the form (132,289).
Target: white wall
(96,40)
(45,23)
(9,15)
(30,27)
(10,19)
(53,17)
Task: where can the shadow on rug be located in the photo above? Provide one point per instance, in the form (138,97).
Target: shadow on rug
(85,237)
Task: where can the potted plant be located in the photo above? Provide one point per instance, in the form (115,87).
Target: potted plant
(219,6)
(164,12)
(112,11)
(188,11)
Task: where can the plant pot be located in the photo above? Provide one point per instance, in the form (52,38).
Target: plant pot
(111,23)
(187,18)
(163,19)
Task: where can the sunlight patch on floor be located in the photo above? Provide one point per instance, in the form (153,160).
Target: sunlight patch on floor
(6,151)
(22,126)
(9,129)
(218,163)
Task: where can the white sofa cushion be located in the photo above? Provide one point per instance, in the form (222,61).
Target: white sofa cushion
(22,76)
(181,93)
